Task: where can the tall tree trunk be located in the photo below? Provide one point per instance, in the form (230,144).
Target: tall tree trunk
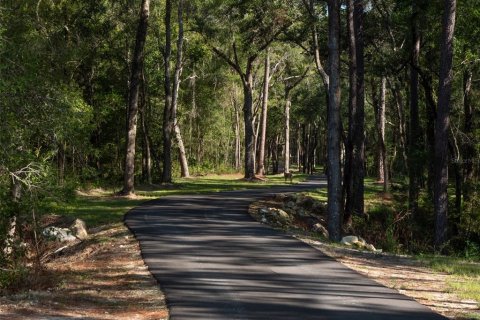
(184,172)
(167,113)
(352,106)
(263,135)
(288,103)
(249,126)
(358,158)
(383,166)
(400,109)
(147,146)
(442,124)
(135,79)
(469,154)
(238,144)
(430,115)
(414,157)
(334,171)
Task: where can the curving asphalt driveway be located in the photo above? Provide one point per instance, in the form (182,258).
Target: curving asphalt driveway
(213,261)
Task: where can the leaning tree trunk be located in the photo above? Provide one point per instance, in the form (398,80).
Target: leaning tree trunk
(135,79)
(263,135)
(442,124)
(334,206)
(176,86)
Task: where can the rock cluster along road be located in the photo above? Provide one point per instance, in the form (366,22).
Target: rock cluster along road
(213,261)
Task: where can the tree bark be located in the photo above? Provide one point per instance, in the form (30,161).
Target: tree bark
(334,206)
(383,166)
(358,156)
(352,106)
(469,153)
(263,135)
(135,79)
(288,103)
(442,124)
(184,172)
(249,126)
(415,148)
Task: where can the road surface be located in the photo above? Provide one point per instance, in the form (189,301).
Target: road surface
(213,261)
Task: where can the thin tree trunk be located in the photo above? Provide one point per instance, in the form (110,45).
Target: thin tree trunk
(167,112)
(414,163)
(383,165)
(238,144)
(288,103)
(334,206)
(469,154)
(176,87)
(442,124)
(401,121)
(347,190)
(147,147)
(249,129)
(135,79)
(430,114)
(263,136)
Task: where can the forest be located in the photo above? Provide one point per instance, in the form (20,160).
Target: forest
(129,93)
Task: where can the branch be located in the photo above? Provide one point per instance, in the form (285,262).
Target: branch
(232,64)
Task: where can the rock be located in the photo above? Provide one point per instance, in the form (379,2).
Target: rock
(306,202)
(303,213)
(319,208)
(58,234)
(349,240)
(317,227)
(280,216)
(79,229)
(370,247)
(263,211)
(290,204)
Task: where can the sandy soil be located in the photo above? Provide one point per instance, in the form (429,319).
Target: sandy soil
(103,277)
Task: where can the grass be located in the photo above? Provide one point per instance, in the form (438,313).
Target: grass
(103,208)
(465,280)
(372,189)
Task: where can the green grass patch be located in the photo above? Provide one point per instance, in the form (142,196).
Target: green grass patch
(104,208)
(451,265)
(465,280)
(466,288)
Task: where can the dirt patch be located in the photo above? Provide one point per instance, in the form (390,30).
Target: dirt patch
(103,277)
(402,273)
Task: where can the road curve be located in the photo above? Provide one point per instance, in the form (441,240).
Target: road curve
(213,261)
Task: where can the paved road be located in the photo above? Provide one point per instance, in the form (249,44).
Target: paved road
(213,261)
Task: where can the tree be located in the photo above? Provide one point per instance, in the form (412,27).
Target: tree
(442,123)
(231,23)
(414,156)
(135,80)
(334,206)
(263,120)
(170,122)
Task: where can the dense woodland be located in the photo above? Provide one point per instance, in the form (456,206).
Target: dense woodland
(131,92)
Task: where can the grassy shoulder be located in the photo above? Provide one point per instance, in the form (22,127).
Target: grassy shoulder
(464,275)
